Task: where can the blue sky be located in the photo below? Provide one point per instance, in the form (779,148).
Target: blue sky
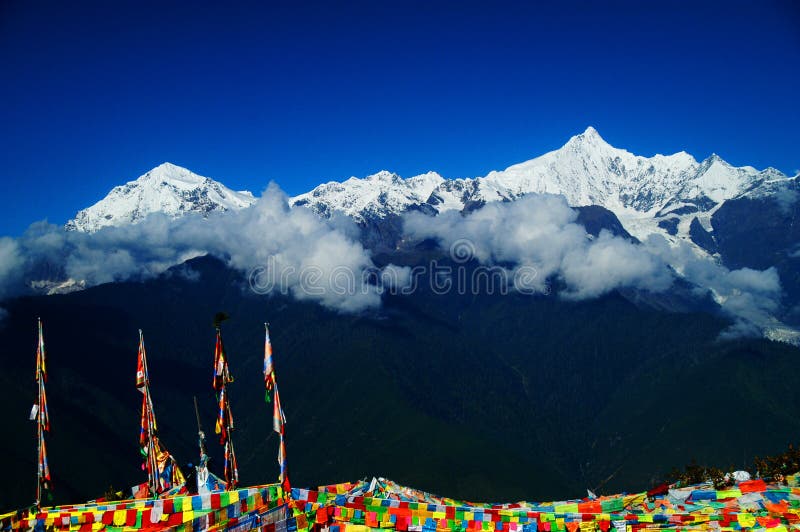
(95,94)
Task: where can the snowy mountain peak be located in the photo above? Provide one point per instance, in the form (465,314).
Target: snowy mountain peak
(172,172)
(586,170)
(383,175)
(590,137)
(168,189)
(377,195)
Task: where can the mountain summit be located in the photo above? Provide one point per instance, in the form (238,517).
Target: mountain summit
(168,189)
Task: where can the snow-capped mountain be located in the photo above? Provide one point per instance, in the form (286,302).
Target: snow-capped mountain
(663,193)
(586,170)
(374,196)
(167,189)
(734,217)
(672,195)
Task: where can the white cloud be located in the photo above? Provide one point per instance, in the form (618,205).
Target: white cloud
(294,241)
(750,297)
(611,262)
(11,263)
(395,278)
(540,231)
(322,261)
(786,198)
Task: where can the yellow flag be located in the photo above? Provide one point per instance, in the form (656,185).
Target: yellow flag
(746,520)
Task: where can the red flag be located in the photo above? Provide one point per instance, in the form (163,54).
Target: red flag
(231,467)
(222,417)
(44,468)
(278,425)
(284,476)
(42,414)
(141,368)
(143,431)
(269,372)
(221,375)
(41,367)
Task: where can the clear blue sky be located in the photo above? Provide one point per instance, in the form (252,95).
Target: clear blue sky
(95,94)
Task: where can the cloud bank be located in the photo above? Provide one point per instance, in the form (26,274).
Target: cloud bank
(296,252)
(540,231)
(750,297)
(305,250)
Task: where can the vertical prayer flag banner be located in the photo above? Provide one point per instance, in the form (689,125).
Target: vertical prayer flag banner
(269,371)
(40,414)
(162,469)
(41,367)
(221,373)
(279,425)
(278,417)
(224,424)
(141,377)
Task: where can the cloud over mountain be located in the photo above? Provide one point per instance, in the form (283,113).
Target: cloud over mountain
(320,248)
(541,231)
(750,297)
(303,252)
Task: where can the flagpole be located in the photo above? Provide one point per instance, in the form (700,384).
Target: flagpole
(201,437)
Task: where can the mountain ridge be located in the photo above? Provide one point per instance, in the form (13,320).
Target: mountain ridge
(586,170)
(167,189)
(642,191)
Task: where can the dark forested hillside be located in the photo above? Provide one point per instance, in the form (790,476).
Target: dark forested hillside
(495,397)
